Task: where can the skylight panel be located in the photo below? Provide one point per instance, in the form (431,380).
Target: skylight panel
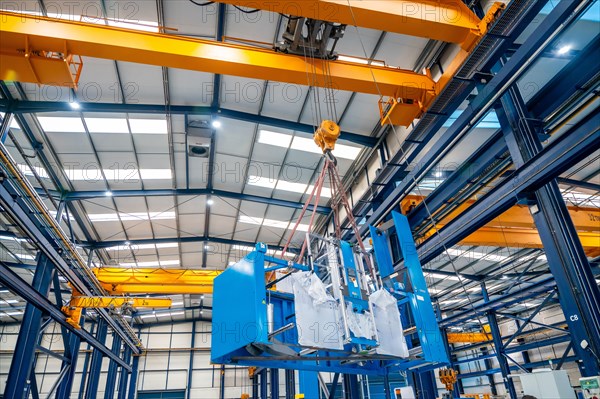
(285,185)
(131,216)
(442,276)
(107,125)
(291,186)
(156,174)
(304,144)
(56,124)
(156,263)
(341,150)
(278,224)
(274,138)
(26,170)
(148,126)
(262,181)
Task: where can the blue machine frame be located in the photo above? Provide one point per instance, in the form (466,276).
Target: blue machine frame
(241,328)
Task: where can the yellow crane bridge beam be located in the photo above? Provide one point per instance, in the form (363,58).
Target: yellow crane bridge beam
(447,20)
(158,281)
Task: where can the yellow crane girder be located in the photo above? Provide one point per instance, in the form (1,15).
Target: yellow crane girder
(48,51)
(448,20)
(75,308)
(515,227)
(157,281)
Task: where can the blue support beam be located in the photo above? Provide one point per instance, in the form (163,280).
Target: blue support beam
(499,347)
(17,384)
(124,374)
(274,374)
(26,107)
(111,377)
(14,203)
(191,366)
(86,195)
(208,240)
(568,149)
(309,384)
(91,390)
(477,109)
(579,295)
(132,392)
(65,387)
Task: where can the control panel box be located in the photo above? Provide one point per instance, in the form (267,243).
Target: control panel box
(590,387)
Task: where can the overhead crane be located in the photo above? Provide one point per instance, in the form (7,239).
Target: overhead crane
(515,227)
(41,50)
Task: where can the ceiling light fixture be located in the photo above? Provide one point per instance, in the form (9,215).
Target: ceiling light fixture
(74,105)
(564,50)
(210,202)
(216,124)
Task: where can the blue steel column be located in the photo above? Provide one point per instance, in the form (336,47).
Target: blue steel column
(124,376)
(96,364)
(351,387)
(134,375)
(274,383)
(290,384)
(5,126)
(263,384)
(86,365)
(579,295)
(66,385)
(17,385)
(498,346)
(309,384)
(111,378)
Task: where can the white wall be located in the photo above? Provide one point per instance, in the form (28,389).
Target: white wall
(164,366)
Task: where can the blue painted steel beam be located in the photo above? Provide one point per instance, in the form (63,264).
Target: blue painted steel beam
(85,195)
(570,81)
(505,30)
(91,390)
(17,384)
(132,392)
(14,203)
(543,363)
(499,347)
(581,184)
(580,141)
(111,377)
(274,383)
(579,295)
(25,107)
(124,374)
(477,109)
(86,365)
(191,366)
(17,285)
(493,151)
(66,385)
(209,240)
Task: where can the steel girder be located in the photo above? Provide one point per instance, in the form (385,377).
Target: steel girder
(85,195)
(101,41)
(516,17)
(580,141)
(111,377)
(17,385)
(579,294)
(16,206)
(448,21)
(208,240)
(16,284)
(514,68)
(27,107)
(91,389)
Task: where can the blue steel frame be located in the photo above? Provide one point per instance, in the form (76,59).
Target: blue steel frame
(27,107)
(240,315)
(579,295)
